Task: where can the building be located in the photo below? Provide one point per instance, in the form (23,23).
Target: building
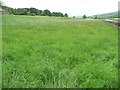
(3,11)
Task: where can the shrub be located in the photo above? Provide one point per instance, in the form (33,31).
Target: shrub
(33,14)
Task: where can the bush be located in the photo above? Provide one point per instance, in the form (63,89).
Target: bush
(84,16)
(33,14)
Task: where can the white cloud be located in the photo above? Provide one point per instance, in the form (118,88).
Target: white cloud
(72,7)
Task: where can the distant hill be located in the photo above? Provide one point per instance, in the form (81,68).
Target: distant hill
(107,15)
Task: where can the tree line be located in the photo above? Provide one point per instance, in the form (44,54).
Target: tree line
(31,11)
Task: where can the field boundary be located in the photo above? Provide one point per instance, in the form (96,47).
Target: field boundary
(116,24)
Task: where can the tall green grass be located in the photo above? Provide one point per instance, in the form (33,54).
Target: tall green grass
(0,51)
(50,52)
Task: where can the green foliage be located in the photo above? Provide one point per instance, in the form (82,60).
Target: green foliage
(57,14)
(96,17)
(34,10)
(38,12)
(66,15)
(73,16)
(84,16)
(1,4)
(47,13)
(33,14)
(20,11)
(30,11)
(43,13)
(49,52)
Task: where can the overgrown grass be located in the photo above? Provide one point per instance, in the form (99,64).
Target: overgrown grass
(45,52)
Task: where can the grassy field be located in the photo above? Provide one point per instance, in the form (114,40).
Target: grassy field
(45,52)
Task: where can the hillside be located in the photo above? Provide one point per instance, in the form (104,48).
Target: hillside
(107,15)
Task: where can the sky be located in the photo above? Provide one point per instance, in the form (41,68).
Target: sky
(71,7)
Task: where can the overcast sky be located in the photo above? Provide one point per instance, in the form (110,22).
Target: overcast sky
(72,7)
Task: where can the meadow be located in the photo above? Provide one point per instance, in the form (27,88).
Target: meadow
(58,52)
